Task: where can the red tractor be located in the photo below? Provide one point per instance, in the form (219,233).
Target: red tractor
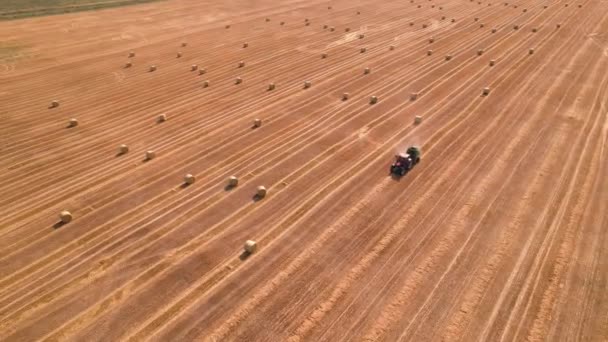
(406,161)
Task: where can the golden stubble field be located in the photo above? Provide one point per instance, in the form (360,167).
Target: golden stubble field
(499,234)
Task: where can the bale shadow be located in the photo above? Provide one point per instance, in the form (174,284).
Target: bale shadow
(244,256)
(257,198)
(229,187)
(59,224)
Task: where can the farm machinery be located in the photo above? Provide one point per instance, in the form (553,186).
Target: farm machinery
(406,161)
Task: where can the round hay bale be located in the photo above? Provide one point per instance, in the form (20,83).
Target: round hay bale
(419,6)
(448,57)
(493,30)
(123,149)
(531,51)
(418,119)
(391,48)
(424,25)
(492,62)
(558,25)
(307,24)
(413,96)
(480,52)
(486,91)
(241,64)
(179,55)
(443,17)
(580,6)
(202,71)
(440,8)
(282,23)
(238,80)
(184,44)
(411,24)
(206,84)
(150,155)
(566,5)
(257,123)
(516,27)
(152,68)
(431,40)
(476,19)
(193,67)
(482,25)
(128,65)
(332,29)
(189,179)
(306,20)
(345,96)
(267,19)
(328,7)
(373,100)
(307,84)
(54,104)
(250,246)
(227,26)
(162,118)
(347,29)
(432,6)
(453,20)
(534,29)
(361,36)
(325,27)
(367,71)
(323,55)
(358,12)
(233,181)
(65,216)
(271,86)
(429,52)
(131,54)
(245,45)
(545,6)
(261,192)
(72,123)
(363,50)
(524,10)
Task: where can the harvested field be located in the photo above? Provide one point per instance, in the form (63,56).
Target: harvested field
(498,234)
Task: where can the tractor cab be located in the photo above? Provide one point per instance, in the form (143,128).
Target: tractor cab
(402,158)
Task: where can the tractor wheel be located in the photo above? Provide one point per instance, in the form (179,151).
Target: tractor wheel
(417,160)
